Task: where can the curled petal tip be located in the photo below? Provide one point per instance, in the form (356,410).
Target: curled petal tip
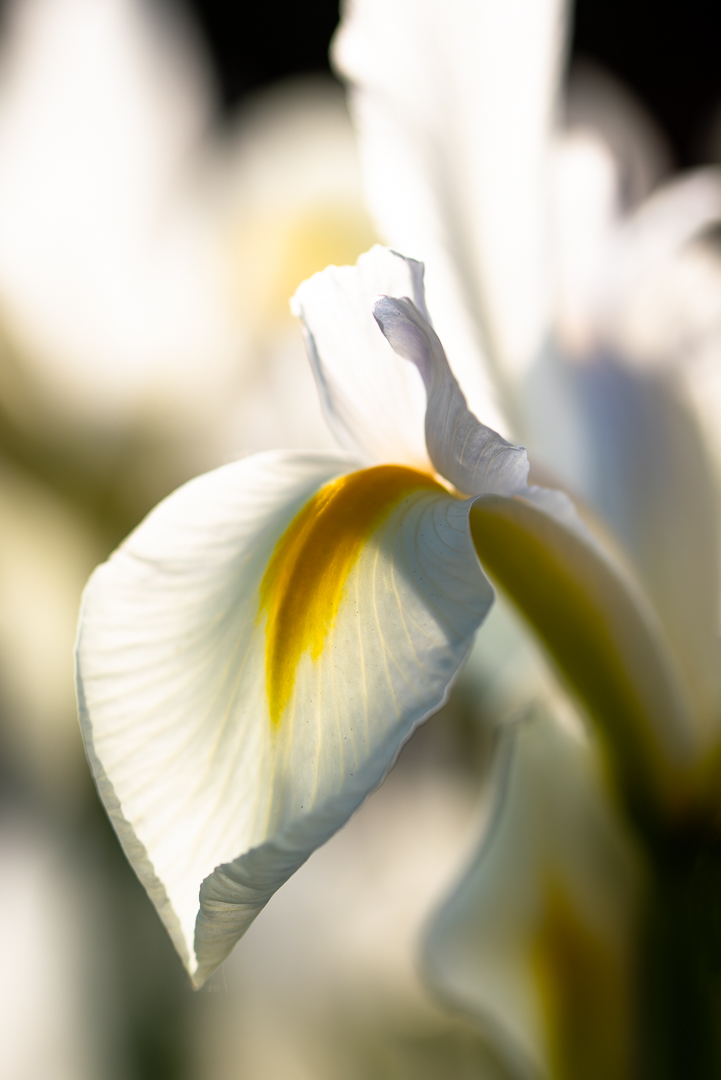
(475,459)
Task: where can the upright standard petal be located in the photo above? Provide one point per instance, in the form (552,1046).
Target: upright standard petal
(250,661)
(454,104)
(650,240)
(536,941)
(373,402)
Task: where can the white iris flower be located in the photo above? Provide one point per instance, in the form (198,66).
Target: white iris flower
(252,657)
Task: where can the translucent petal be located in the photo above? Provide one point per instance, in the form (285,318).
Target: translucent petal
(536,940)
(586,208)
(596,102)
(640,458)
(647,243)
(250,661)
(373,401)
(472,456)
(453,104)
(600,630)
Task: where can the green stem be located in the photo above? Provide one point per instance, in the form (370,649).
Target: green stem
(679,961)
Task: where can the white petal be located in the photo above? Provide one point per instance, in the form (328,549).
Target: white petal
(553,555)
(642,462)
(600,629)
(651,238)
(472,456)
(221,771)
(673,312)
(507,672)
(453,104)
(373,402)
(585,207)
(599,104)
(553,850)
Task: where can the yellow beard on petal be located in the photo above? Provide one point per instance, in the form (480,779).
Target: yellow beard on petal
(303,584)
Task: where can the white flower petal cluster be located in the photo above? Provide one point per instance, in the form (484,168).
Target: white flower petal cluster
(253,656)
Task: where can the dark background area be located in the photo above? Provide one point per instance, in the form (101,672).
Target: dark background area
(669,51)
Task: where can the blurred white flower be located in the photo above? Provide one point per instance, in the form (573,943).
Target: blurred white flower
(289,184)
(111,270)
(539,935)
(45,999)
(147,256)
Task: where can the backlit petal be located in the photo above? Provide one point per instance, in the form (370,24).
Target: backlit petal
(250,661)
(536,940)
(646,247)
(453,104)
(595,101)
(640,458)
(601,632)
(472,456)
(373,401)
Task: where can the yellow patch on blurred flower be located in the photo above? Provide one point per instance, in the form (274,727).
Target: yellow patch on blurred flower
(282,250)
(295,198)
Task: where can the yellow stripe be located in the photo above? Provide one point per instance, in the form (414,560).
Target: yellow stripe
(302,587)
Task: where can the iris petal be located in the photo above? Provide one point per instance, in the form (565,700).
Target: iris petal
(217,777)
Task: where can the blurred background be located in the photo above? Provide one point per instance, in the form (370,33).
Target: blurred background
(169,173)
